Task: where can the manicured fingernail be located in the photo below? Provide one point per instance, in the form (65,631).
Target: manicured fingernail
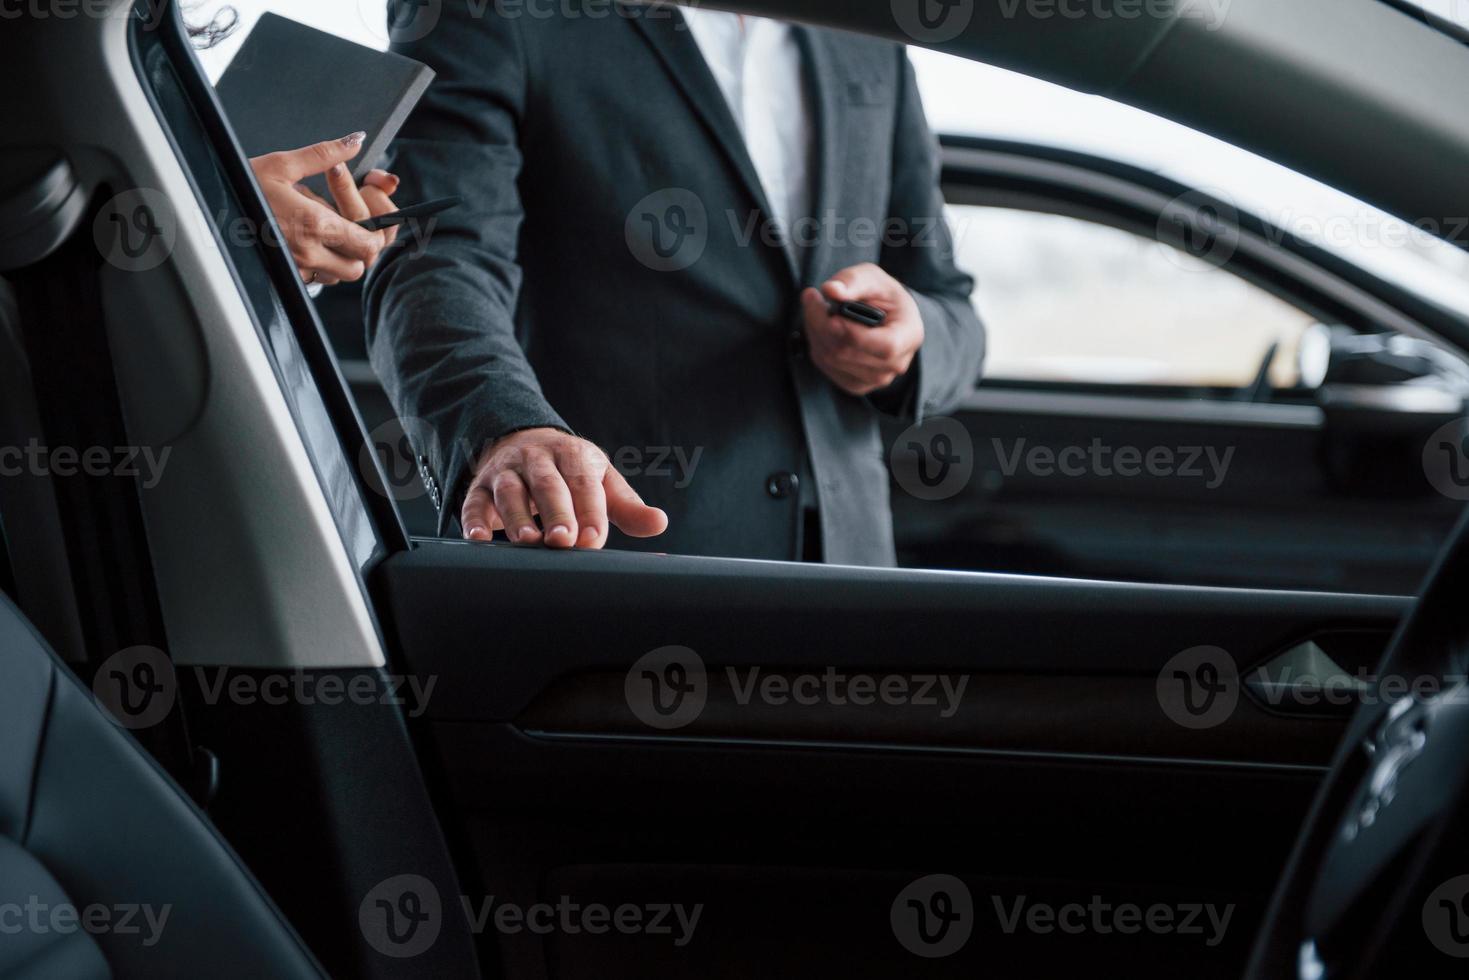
(354,139)
(340,170)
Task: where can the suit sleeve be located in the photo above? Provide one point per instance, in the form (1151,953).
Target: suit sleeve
(440,305)
(921,257)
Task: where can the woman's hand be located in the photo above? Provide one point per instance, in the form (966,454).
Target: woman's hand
(326,243)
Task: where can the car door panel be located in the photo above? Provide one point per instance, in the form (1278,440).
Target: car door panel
(757,806)
(1284,510)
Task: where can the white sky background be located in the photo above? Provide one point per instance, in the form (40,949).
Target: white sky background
(964,97)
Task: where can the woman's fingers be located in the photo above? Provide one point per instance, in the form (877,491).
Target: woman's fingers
(353,206)
(325,240)
(314,277)
(378,202)
(294,165)
(344,191)
(382,180)
(328,264)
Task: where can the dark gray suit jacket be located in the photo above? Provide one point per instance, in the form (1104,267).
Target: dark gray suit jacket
(610,271)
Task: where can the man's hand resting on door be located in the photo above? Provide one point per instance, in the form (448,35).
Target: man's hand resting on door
(568,481)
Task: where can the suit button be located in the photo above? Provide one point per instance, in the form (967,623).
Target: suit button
(797,341)
(782,485)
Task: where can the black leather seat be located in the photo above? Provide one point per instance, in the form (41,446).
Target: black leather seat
(106,868)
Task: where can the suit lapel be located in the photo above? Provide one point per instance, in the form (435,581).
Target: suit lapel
(822,84)
(675,45)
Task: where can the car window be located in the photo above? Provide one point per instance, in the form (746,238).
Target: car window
(965,98)
(1069,300)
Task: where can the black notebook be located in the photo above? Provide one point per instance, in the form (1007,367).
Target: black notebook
(291,85)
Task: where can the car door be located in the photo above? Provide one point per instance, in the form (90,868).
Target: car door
(1144,413)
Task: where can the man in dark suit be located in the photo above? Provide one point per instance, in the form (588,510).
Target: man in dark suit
(631,304)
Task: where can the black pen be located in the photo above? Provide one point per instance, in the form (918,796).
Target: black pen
(403,215)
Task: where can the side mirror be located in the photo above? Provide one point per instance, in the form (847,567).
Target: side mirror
(1336,355)
(1382,396)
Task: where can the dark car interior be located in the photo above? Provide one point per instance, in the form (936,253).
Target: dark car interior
(307,837)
